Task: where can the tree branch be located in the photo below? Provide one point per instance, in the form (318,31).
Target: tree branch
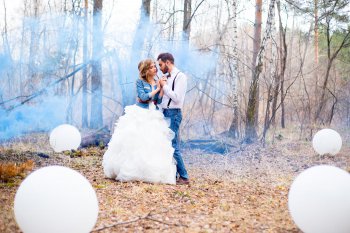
(148,216)
(189,21)
(41,91)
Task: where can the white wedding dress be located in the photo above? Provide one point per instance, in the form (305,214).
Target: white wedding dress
(140,148)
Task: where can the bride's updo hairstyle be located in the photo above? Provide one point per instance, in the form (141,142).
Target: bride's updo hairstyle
(144,66)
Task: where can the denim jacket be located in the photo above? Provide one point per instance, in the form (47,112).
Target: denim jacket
(144,90)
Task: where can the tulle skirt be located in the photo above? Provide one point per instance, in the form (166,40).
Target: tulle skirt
(140,148)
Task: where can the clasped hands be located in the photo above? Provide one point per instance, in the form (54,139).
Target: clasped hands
(162,81)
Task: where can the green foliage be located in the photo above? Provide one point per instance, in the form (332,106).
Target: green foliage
(333,19)
(337,37)
(328,10)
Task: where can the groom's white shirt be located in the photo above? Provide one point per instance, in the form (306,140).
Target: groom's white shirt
(178,95)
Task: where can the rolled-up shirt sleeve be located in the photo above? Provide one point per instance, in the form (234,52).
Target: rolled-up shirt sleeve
(179,90)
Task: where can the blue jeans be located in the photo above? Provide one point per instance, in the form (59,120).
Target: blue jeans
(175,117)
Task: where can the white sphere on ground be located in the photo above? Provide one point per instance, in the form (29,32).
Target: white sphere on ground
(65,137)
(56,199)
(327,141)
(319,200)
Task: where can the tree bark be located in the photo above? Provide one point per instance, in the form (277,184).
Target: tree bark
(186,28)
(96,116)
(233,130)
(256,47)
(331,58)
(272,82)
(278,76)
(253,105)
(316,46)
(33,47)
(251,120)
(282,63)
(84,111)
(141,36)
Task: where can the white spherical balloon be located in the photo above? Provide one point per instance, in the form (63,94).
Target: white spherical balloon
(319,200)
(65,137)
(56,199)
(327,141)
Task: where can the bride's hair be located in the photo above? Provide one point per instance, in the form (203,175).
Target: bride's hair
(143,67)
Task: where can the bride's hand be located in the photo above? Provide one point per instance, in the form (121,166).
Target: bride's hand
(162,82)
(158,85)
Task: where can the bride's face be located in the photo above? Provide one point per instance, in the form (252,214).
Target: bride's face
(152,70)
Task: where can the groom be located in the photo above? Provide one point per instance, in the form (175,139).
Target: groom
(174,86)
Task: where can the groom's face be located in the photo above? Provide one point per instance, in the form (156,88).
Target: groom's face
(163,66)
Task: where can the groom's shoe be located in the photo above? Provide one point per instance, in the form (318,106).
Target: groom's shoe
(182,181)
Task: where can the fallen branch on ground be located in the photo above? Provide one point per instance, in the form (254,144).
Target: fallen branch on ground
(148,216)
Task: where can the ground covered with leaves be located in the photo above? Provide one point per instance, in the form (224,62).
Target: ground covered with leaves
(245,190)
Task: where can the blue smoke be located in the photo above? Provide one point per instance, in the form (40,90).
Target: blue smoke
(32,118)
(58,52)
(5,63)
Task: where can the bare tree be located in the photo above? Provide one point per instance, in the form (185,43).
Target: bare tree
(186,28)
(7,48)
(84,110)
(141,30)
(279,67)
(316,60)
(141,36)
(282,63)
(250,129)
(329,18)
(34,38)
(253,103)
(96,116)
(256,47)
(271,79)
(330,15)
(284,55)
(233,66)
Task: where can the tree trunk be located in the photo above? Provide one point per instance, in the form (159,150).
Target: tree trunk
(272,83)
(256,46)
(250,129)
(348,113)
(282,63)
(96,117)
(233,130)
(84,112)
(173,24)
(274,74)
(267,121)
(141,36)
(74,48)
(146,5)
(186,28)
(331,58)
(7,51)
(141,30)
(283,118)
(316,47)
(283,115)
(253,105)
(22,76)
(34,41)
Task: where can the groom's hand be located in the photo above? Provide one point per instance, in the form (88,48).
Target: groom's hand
(162,81)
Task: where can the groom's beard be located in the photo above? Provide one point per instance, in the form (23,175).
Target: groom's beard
(166,69)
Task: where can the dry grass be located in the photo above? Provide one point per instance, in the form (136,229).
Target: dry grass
(10,170)
(245,191)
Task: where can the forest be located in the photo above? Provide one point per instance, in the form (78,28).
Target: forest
(263,78)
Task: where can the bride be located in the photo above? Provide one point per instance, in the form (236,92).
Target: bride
(140,147)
